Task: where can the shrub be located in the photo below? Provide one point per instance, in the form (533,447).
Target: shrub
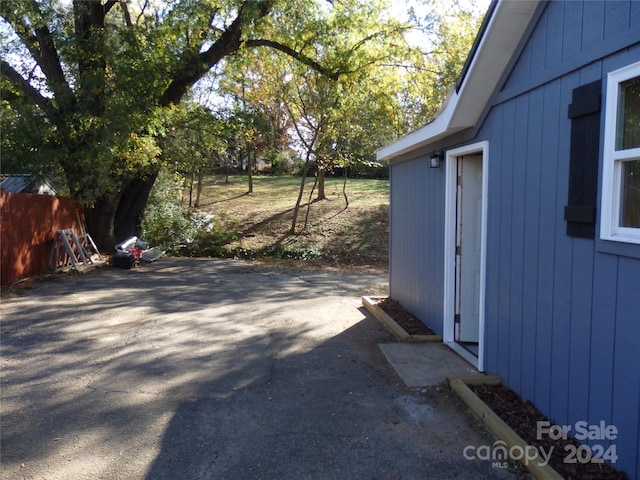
(284,163)
(292,252)
(169,225)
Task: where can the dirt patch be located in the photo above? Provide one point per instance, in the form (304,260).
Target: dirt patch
(407,320)
(522,417)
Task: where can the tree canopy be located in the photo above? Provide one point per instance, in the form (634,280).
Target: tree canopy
(93,90)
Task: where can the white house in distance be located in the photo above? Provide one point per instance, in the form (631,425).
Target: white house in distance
(515,213)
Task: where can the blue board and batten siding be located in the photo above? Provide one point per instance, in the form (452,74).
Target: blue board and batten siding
(562,314)
(418,258)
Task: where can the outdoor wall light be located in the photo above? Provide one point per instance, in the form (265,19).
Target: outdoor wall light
(435,159)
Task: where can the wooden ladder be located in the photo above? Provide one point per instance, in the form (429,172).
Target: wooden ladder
(71,250)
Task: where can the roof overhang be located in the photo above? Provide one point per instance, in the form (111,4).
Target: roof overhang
(463,108)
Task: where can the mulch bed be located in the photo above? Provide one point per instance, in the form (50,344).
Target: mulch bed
(407,320)
(523,416)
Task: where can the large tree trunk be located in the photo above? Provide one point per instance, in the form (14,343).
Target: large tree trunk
(100,220)
(114,218)
(128,217)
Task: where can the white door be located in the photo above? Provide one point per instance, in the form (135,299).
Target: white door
(468,248)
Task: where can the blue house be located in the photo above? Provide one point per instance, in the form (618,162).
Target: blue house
(515,213)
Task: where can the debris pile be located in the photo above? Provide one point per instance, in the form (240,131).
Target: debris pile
(132,251)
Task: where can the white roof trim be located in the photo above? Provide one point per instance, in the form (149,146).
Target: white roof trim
(463,109)
(431,131)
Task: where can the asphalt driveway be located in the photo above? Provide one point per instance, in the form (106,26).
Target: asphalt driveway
(203,369)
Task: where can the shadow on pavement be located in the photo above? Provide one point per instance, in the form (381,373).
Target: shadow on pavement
(209,370)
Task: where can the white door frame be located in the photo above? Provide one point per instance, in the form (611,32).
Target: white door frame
(451,220)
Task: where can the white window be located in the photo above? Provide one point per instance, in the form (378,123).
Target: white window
(620,213)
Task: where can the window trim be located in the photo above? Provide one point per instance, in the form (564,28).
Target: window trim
(610,228)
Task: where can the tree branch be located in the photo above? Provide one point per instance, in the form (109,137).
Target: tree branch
(49,60)
(89,21)
(331,73)
(142,10)
(50,63)
(39,42)
(23,31)
(109,5)
(23,86)
(195,65)
(127,15)
(380,33)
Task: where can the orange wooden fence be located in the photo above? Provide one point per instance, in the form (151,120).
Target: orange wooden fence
(28,225)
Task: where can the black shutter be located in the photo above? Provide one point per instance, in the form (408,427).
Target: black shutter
(584,112)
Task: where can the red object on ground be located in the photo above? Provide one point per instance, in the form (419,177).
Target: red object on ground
(137,252)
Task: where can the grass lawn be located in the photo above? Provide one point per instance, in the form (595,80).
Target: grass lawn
(355,237)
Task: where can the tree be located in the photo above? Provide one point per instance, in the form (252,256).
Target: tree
(450,29)
(251,85)
(93,81)
(194,138)
(89,87)
(309,108)
(308,124)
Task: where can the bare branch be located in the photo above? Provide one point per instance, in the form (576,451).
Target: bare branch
(144,7)
(331,73)
(380,33)
(32,72)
